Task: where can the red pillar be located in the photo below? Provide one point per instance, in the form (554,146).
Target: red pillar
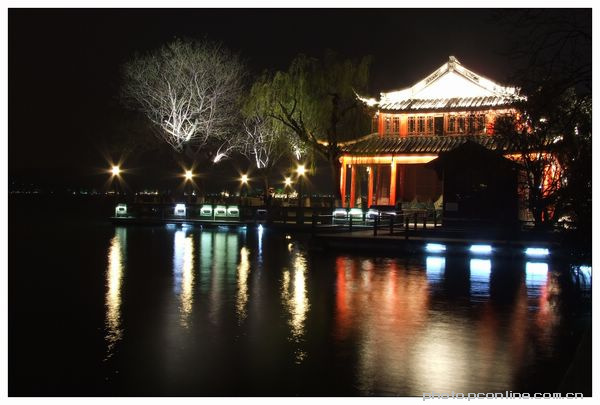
(402,176)
(370,194)
(343,182)
(352,186)
(393,183)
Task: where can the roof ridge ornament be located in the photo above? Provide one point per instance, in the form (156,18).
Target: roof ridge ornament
(452,62)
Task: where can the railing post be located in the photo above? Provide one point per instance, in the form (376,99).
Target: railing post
(434,219)
(406,220)
(391,224)
(415,219)
(350,222)
(425,221)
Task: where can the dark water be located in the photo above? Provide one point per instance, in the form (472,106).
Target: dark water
(101,310)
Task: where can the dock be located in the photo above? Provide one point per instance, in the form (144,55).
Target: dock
(406,235)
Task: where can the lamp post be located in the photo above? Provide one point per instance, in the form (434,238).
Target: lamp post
(287,184)
(115,175)
(244,181)
(301,170)
(189,176)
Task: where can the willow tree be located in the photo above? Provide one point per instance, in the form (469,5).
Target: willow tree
(316,100)
(190,91)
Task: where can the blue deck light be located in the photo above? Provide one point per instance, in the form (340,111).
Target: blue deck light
(481,249)
(435,247)
(532,251)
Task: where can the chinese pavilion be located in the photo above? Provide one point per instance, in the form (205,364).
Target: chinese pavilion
(413,126)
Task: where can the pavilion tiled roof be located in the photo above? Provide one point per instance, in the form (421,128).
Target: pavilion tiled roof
(421,144)
(446,103)
(451,87)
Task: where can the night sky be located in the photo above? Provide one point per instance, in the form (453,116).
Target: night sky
(64,64)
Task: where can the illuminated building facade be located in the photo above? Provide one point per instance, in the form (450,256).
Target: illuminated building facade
(412,127)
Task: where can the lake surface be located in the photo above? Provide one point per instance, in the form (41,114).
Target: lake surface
(96,309)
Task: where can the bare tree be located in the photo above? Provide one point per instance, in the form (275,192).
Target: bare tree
(190,91)
(265,144)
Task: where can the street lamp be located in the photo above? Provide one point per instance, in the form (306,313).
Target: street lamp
(188,176)
(115,170)
(301,170)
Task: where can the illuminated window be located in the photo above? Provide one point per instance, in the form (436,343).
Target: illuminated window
(396,125)
(429,125)
(461,124)
(375,124)
(481,123)
(452,124)
(472,124)
(420,125)
(387,125)
(411,125)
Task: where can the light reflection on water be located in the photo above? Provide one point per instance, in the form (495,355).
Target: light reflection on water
(399,324)
(480,271)
(295,300)
(183,273)
(117,256)
(243,273)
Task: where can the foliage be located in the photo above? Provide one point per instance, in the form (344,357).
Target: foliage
(316,100)
(555,74)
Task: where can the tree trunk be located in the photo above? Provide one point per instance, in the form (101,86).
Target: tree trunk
(335,171)
(267,200)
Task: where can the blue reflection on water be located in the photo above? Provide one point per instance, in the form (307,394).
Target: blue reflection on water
(536,274)
(260,239)
(435,267)
(480,276)
(582,274)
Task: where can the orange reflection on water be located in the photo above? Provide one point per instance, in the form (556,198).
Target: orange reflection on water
(114,281)
(385,309)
